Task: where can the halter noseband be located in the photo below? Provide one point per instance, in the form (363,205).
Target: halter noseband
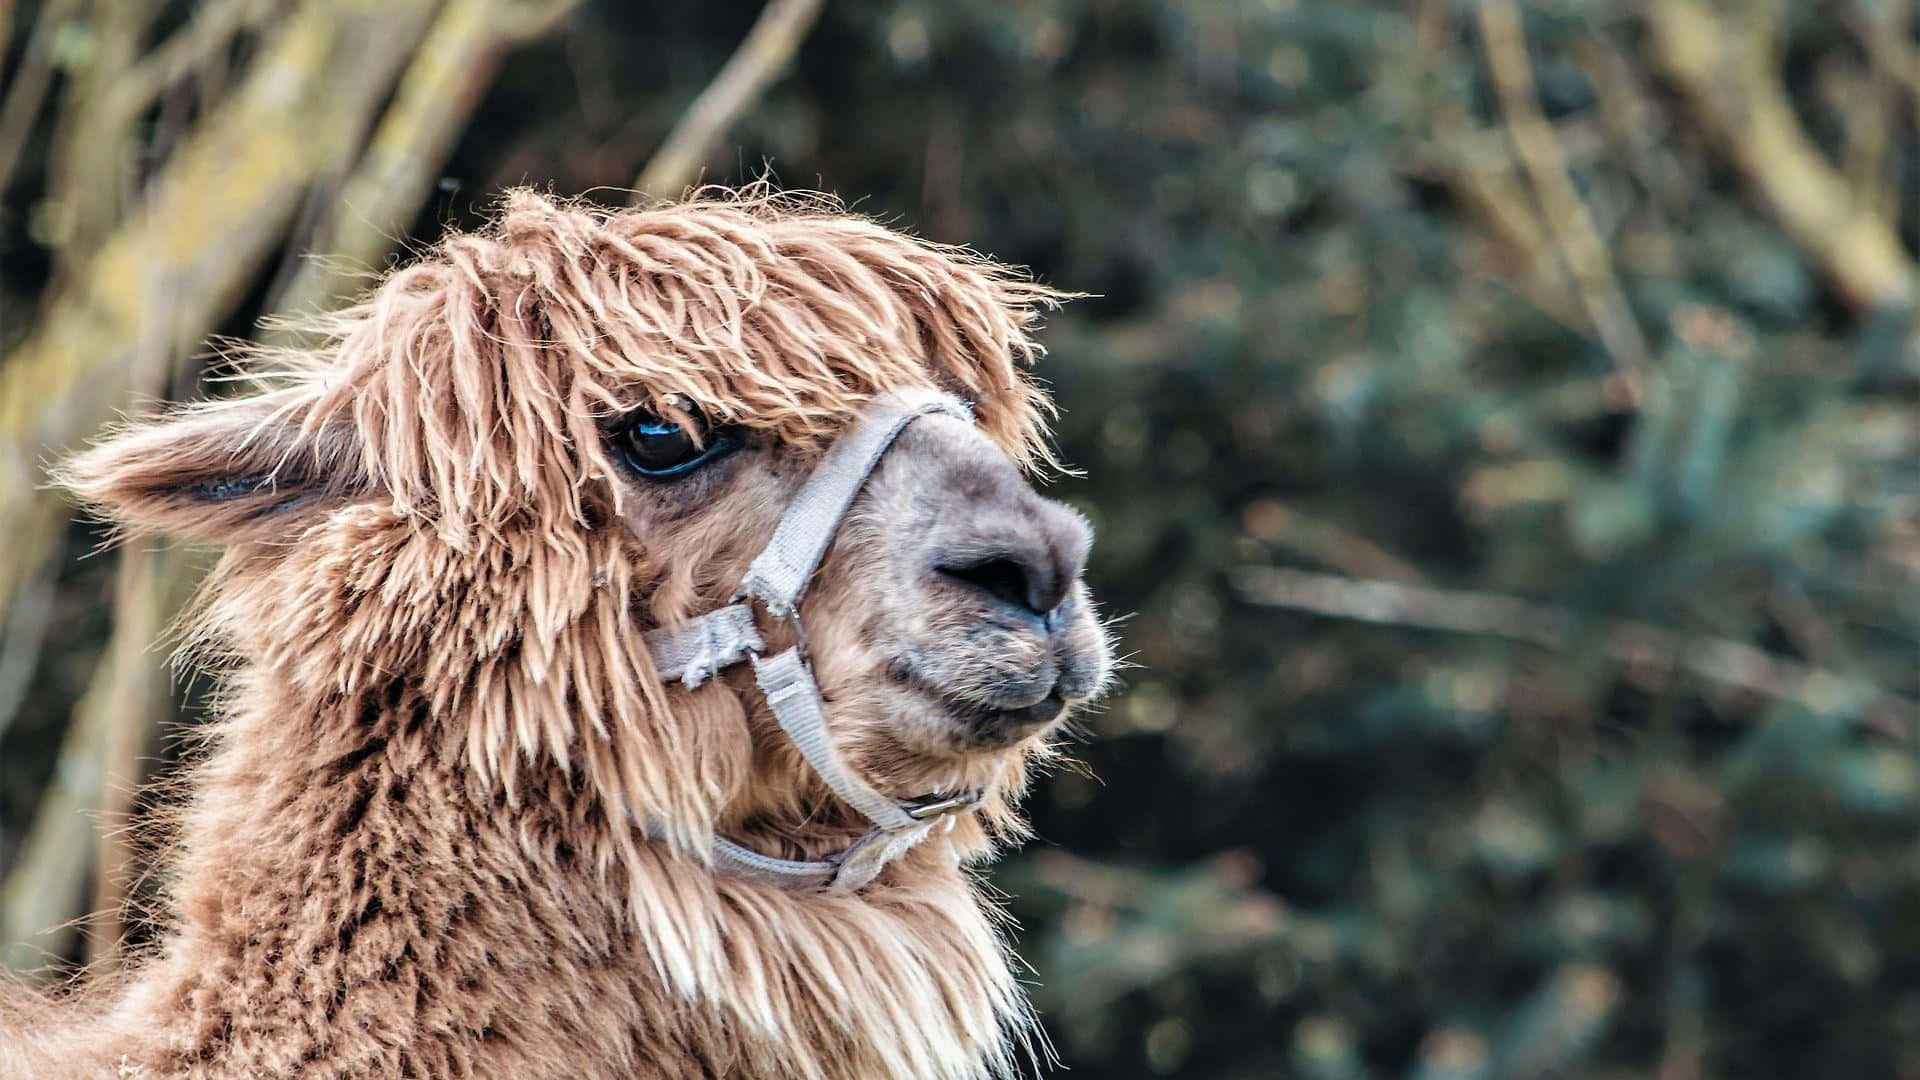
(698,649)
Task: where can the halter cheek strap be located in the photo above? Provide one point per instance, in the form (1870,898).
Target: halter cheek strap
(695,651)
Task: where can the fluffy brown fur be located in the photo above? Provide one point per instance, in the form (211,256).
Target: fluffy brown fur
(414,847)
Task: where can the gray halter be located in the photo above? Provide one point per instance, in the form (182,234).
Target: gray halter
(698,649)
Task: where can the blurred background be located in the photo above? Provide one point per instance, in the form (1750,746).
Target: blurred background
(1499,418)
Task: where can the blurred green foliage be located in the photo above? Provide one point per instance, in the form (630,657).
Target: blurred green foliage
(1333,328)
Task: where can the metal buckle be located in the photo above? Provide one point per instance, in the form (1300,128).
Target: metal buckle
(927,807)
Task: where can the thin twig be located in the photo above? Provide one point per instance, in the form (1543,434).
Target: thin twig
(1273,521)
(1627,641)
(46,885)
(761,57)
(1635,128)
(1868,103)
(1493,195)
(135,699)
(1893,68)
(213,27)
(1484,179)
(1566,214)
(6,31)
(25,633)
(28,87)
(95,164)
(90,165)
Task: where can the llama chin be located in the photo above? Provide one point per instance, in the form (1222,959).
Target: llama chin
(457,816)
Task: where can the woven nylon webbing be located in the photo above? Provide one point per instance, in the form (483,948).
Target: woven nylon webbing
(787,873)
(779,575)
(850,872)
(795,701)
(696,651)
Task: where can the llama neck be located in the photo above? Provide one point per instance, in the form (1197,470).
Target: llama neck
(349,894)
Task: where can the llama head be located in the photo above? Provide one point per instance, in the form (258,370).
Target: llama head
(517,455)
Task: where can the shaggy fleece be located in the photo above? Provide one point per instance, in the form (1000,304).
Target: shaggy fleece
(410,845)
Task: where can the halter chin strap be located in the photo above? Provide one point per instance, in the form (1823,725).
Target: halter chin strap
(698,649)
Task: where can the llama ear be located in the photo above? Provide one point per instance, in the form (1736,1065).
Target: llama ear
(225,472)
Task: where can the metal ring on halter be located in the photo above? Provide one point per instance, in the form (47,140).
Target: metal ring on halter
(933,807)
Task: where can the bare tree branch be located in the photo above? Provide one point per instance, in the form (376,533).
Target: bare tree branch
(96,159)
(213,28)
(1893,71)
(1725,71)
(1493,195)
(176,265)
(1273,521)
(1719,660)
(392,180)
(761,57)
(28,87)
(135,692)
(91,166)
(25,630)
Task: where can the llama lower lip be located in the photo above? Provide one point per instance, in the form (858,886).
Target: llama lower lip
(980,726)
(1000,727)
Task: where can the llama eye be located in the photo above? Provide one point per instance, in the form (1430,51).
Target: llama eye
(660,448)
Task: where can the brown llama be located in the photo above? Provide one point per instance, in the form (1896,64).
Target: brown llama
(525,765)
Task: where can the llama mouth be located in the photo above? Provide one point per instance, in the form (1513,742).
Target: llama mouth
(989,728)
(982,726)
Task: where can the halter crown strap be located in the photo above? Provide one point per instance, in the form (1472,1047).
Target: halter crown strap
(696,651)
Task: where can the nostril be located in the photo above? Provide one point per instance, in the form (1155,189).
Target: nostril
(1001,579)
(1005,579)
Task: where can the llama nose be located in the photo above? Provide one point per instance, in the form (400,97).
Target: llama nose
(1031,572)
